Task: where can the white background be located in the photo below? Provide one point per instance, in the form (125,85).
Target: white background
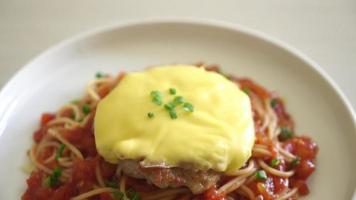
(325,30)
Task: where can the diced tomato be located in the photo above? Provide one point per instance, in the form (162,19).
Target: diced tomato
(84,170)
(106,196)
(264,191)
(64,192)
(121,76)
(83,139)
(35,191)
(213,68)
(212,194)
(304,169)
(302,186)
(280,184)
(247,83)
(302,146)
(107,169)
(47,117)
(38,135)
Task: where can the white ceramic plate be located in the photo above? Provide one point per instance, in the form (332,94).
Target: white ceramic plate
(60,74)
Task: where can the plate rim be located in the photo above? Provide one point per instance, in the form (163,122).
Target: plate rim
(189,21)
(235,27)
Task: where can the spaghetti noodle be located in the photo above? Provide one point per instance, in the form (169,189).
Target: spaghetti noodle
(69,167)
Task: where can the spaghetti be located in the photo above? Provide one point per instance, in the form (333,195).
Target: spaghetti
(69,167)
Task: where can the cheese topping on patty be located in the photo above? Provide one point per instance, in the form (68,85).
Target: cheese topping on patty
(218,134)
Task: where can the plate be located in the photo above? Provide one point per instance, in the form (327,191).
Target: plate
(61,73)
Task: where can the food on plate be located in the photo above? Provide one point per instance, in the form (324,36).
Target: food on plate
(171,132)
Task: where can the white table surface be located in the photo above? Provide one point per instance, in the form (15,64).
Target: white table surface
(325,30)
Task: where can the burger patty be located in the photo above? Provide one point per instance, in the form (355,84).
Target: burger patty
(196,180)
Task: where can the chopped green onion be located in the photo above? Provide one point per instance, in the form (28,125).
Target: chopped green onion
(178,100)
(118,195)
(111,184)
(285,134)
(188,107)
(273,103)
(156,93)
(53,179)
(59,151)
(295,162)
(172,91)
(275,162)
(150,114)
(86,109)
(246,90)
(261,175)
(99,75)
(173,114)
(133,195)
(75,101)
(169,106)
(157,100)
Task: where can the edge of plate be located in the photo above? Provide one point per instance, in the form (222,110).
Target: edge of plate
(192,21)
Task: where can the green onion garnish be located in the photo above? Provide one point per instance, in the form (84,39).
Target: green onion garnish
(246,90)
(53,179)
(261,175)
(285,134)
(169,106)
(295,162)
(173,114)
(75,101)
(172,91)
(86,109)
(150,114)
(156,93)
(275,162)
(188,107)
(132,195)
(157,100)
(273,103)
(99,75)
(178,100)
(111,184)
(118,195)
(156,97)
(59,151)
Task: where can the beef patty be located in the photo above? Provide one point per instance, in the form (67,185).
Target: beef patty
(196,180)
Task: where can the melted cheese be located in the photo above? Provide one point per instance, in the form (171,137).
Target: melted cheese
(218,135)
